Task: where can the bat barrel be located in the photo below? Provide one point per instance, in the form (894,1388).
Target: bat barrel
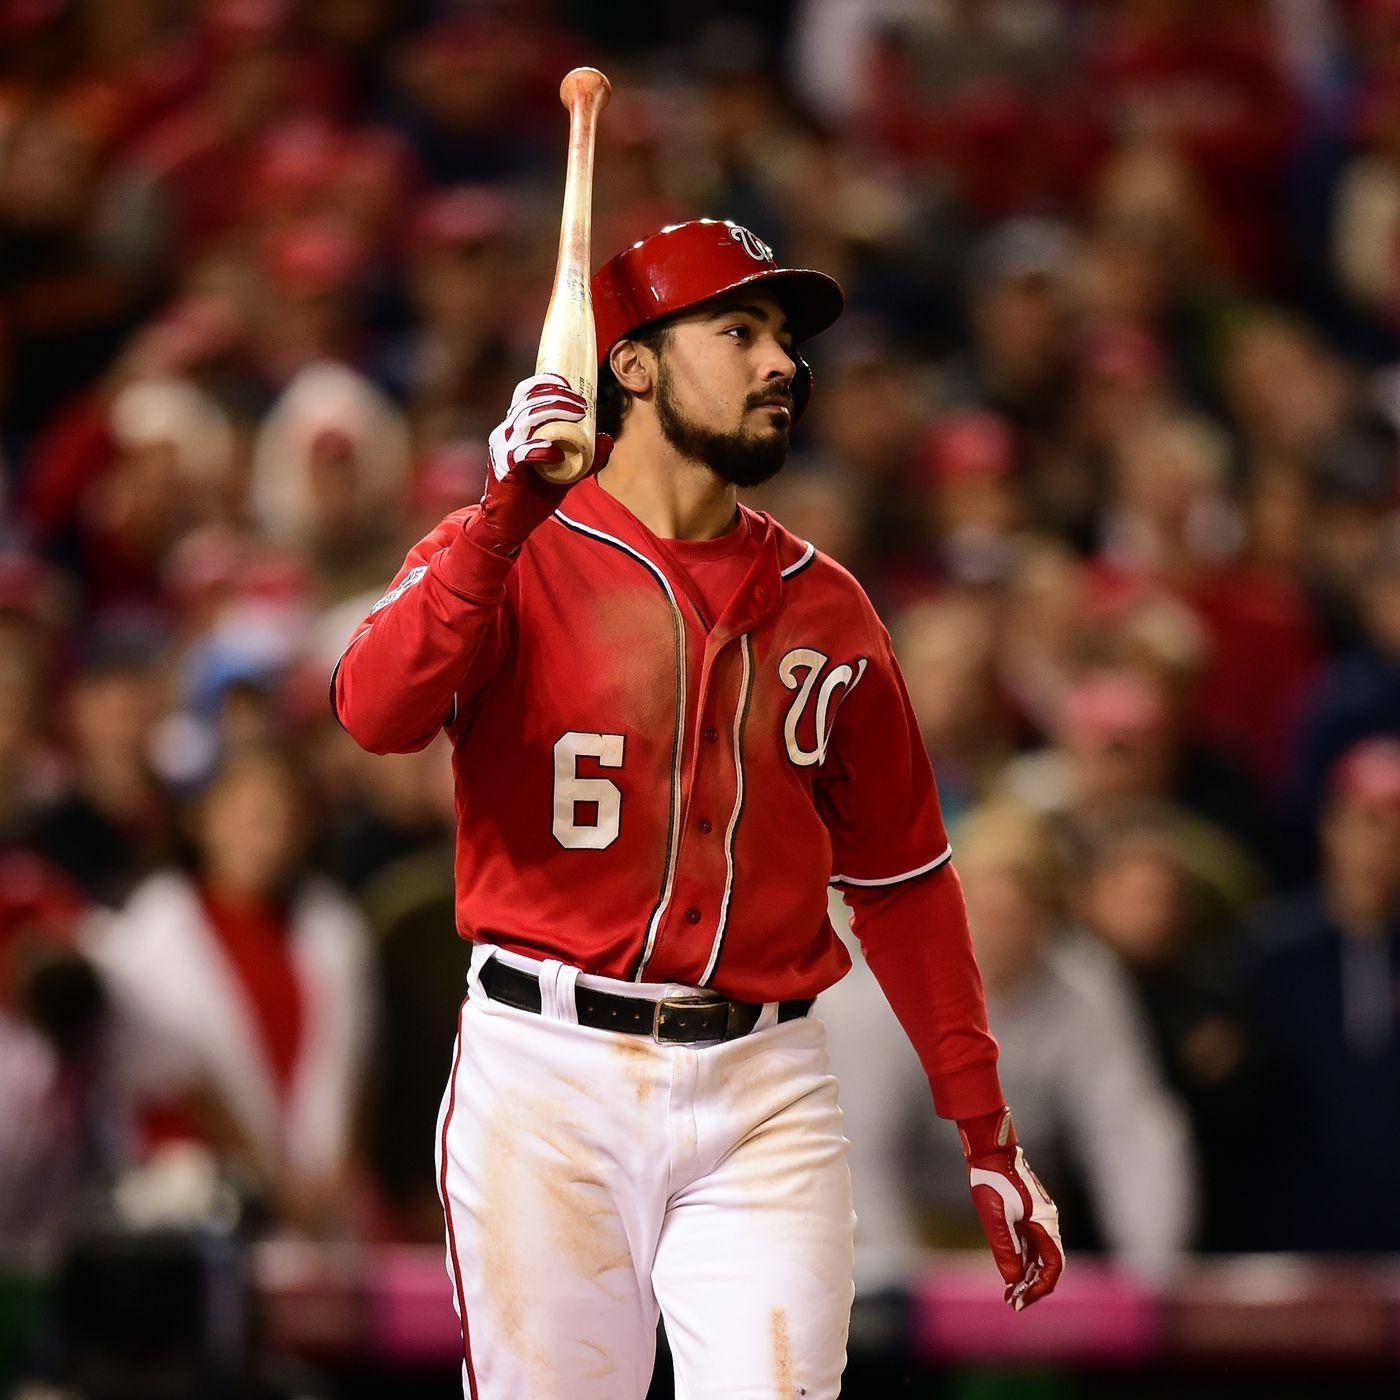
(567,339)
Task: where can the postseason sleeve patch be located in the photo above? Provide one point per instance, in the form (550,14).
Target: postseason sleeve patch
(409,579)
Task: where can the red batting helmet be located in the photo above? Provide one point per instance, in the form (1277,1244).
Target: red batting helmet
(686,264)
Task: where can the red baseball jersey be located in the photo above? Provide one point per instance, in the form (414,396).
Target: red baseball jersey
(643,795)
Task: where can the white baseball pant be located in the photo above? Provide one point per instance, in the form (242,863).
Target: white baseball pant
(591,1177)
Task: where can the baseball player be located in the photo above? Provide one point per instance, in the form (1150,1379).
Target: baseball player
(673,725)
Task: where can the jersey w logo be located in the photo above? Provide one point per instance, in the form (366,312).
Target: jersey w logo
(751,243)
(800,670)
(409,579)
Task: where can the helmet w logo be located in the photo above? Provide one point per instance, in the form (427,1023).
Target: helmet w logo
(751,243)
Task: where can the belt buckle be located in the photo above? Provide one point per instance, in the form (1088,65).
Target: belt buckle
(676,1003)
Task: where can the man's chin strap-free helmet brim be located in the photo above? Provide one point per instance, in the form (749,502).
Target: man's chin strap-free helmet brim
(685,265)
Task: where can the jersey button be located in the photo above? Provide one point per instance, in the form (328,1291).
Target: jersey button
(706,826)
(711,734)
(692,915)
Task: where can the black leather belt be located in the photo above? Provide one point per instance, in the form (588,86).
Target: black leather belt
(675,1020)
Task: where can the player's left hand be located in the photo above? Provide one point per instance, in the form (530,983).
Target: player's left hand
(1018,1217)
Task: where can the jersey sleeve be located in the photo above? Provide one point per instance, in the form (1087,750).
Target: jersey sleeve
(427,645)
(916,941)
(890,857)
(875,791)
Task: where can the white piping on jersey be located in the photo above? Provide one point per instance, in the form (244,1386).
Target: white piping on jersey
(741,714)
(938,860)
(808,555)
(678,747)
(357,637)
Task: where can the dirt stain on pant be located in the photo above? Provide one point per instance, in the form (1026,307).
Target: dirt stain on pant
(636,1061)
(545,1212)
(784,1388)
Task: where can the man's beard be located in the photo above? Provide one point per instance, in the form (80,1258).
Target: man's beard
(737,457)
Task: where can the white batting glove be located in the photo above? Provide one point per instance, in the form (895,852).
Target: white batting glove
(1018,1217)
(541,399)
(517,498)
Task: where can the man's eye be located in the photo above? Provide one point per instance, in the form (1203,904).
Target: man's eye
(741,331)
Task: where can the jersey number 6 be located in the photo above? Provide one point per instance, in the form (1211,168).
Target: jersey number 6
(570,791)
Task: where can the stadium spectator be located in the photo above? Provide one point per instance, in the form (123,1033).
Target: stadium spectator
(399,809)
(1322,989)
(29,769)
(1133,890)
(56,1105)
(171,469)
(407,895)
(1174,530)
(865,425)
(1352,487)
(1109,430)
(247,992)
(1119,748)
(1019,318)
(329,472)
(1287,394)
(1045,631)
(67,303)
(450,368)
(1212,84)
(113,824)
(947,649)
(1359,693)
(976,508)
(1076,1048)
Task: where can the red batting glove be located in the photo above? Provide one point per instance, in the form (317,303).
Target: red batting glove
(1018,1217)
(517,497)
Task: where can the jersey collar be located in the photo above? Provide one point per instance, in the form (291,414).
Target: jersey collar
(757,598)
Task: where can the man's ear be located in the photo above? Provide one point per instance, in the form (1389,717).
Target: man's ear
(633,366)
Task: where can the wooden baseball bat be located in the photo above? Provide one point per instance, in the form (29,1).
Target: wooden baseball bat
(568,343)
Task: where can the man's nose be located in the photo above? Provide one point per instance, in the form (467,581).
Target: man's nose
(778,364)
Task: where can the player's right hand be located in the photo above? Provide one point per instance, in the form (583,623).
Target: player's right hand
(1018,1217)
(517,497)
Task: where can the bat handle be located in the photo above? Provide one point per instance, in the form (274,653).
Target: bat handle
(576,440)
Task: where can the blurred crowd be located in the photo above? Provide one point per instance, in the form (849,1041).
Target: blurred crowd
(1110,431)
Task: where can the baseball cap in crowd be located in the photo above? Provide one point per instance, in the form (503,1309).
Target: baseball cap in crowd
(970,446)
(1113,705)
(1018,249)
(464,216)
(1368,774)
(295,166)
(174,413)
(448,477)
(315,256)
(324,398)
